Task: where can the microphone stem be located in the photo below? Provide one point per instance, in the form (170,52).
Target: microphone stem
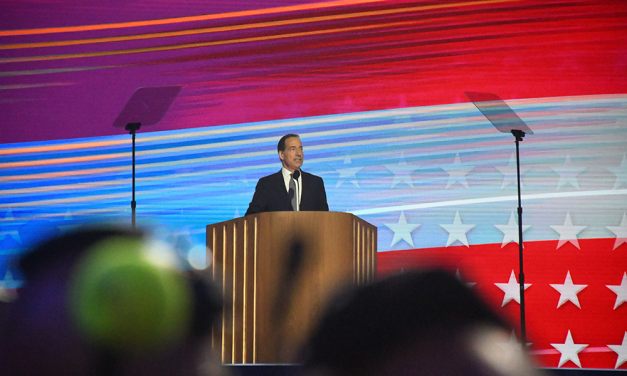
(297,195)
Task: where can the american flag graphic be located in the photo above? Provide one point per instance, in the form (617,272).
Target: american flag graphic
(439,183)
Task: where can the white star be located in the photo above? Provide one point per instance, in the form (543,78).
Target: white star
(348,174)
(12,233)
(457,231)
(402,172)
(621,350)
(568,174)
(510,230)
(457,172)
(568,291)
(243,180)
(9,215)
(511,289)
(569,350)
(620,232)
(620,172)
(66,228)
(9,282)
(510,173)
(236,215)
(459,276)
(568,232)
(512,342)
(620,291)
(402,230)
(501,352)
(8,287)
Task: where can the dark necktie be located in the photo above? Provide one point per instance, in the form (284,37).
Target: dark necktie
(293,194)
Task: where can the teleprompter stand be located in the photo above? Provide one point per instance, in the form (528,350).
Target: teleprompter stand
(505,120)
(147,106)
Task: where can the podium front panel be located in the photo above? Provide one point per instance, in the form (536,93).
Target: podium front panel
(277,272)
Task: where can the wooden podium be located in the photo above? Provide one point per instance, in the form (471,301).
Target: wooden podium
(277,271)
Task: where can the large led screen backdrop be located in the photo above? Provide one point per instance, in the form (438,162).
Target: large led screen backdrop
(376,91)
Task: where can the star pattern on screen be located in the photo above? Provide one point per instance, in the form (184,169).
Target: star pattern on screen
(621,351)
(568,291)
(510,230)
(568,232)
(620,231)
(457,172)
(457,230)
(402,172)
(402,230)
(348,174)
(569,350)
(620,173)
(568,174)
(510,173)
(511,289)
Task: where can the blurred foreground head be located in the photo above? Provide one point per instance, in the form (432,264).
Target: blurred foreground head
(417,323)
(105,301)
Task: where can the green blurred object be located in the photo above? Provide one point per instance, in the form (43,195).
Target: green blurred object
(124,301)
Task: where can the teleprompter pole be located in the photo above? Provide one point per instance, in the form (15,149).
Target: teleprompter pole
(505,120)
(518,134)
(132,128)
(146,107)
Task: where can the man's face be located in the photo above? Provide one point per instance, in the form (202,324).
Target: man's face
(292,157)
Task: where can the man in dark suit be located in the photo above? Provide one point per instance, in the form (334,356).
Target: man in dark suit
(290,188)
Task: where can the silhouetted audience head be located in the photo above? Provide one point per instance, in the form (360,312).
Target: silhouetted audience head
(415,323)
(106,301)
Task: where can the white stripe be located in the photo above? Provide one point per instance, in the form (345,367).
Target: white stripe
(539,196)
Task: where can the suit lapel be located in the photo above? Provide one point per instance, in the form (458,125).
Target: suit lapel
(280,185)
(304,196)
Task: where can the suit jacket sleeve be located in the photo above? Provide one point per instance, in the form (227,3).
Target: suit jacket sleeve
(270,195)
(259,203)
(322,198)
(314,195)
